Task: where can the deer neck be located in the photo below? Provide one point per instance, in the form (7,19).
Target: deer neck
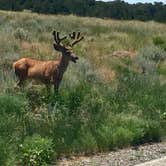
(63,64)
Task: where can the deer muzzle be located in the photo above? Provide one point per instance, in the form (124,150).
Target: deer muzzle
(74,58)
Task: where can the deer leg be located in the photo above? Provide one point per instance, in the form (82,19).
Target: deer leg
(57,81)
(21,77)
(20,82)
(47,84)
(48,88)
(56,87)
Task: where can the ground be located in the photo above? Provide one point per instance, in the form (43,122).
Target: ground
(125,157)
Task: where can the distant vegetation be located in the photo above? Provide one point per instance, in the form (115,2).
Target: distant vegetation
(104,102)
(117,9)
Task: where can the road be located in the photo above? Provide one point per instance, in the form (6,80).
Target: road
(157,162)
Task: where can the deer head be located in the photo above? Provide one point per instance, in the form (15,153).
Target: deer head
(67,51)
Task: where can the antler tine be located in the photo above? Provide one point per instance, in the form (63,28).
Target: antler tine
(72,35)
(78,34)
(76,37)
(57,37)
(54,34)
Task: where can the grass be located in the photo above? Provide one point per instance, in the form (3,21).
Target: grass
(104,103)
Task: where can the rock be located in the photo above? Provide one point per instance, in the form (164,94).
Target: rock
(127,157)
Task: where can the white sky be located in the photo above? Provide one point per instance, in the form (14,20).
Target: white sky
(143,1)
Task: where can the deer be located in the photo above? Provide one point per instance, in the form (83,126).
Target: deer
(52,71)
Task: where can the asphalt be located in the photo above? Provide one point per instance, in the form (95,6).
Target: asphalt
(157,162)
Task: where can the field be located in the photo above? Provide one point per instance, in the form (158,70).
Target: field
(105,102)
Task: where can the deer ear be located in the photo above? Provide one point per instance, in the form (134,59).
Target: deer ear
(57,47)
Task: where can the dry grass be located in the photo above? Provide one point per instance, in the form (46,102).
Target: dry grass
(102,37)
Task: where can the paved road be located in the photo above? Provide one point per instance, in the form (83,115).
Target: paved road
(157,162)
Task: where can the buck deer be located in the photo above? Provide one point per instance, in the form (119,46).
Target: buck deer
(48,72)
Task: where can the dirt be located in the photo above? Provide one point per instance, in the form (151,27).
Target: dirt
(124,157)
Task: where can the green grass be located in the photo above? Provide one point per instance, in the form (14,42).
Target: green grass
(36,151)
(94,111)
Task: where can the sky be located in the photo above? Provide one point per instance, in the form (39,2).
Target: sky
(143,1)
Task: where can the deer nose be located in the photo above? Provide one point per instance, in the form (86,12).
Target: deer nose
(74,58)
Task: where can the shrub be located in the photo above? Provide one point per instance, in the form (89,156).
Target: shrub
(21,34)
(82,73)
(144,91)
(159,41)
(162,69)
(104,136)
(152,53)
(152,131)
(11,104)
(122,137)
(33,25)
(145,65)
(7,80)
(4,152)
(12,109)
(36,151)
(141,130)
(149,58)
(74,96)
(85,142)
(95,108)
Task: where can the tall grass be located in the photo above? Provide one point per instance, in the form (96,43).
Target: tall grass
(90,113)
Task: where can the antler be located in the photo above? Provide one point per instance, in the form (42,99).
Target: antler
(76,37)
(57,38)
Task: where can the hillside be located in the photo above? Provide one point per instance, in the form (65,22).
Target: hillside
(117,9)
(106,101)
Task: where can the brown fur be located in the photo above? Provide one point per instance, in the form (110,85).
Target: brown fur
(31,68)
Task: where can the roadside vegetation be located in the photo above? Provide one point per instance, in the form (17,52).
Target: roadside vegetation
(105,102)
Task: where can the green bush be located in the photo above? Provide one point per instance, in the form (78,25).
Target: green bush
(10,104)
(7,152)
(4,152)
(142,91)
(36,151)
(152,131)
(159,41)
(141,130)
(74,96)
(152,53)
(122,137)
(103,135)
(12,109)
(6,79)
(125,129)
(85,142)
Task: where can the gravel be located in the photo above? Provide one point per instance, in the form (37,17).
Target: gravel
(125,157)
